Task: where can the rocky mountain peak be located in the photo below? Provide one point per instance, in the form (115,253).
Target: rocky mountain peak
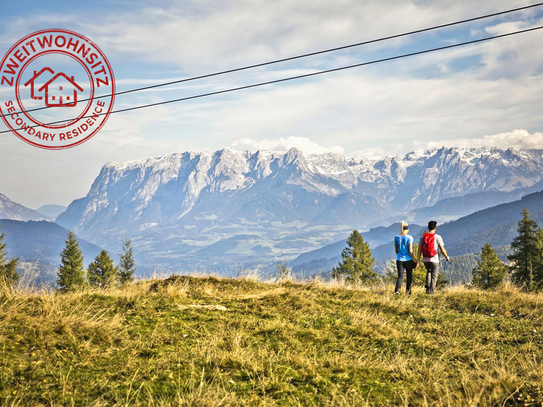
(192,196)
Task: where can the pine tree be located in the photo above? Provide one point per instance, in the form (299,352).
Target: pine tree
(71,275)
(538,275)
(102,273)
(489,272)
(525,252)
(357,263)
(8,268)
(126,262)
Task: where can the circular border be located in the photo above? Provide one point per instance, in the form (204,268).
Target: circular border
(36,121)
(112,97)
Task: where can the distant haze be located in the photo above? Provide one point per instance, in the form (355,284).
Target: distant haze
(51,211)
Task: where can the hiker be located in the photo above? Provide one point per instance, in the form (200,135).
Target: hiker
(403,244)
(430,244)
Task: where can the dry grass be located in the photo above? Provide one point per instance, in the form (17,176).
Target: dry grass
(212,341)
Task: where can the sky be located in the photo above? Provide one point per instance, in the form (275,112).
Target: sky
(481,95)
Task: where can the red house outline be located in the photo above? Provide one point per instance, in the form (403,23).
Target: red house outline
(31,82)
(59,103)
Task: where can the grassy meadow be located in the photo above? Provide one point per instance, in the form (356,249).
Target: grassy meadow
(205,341)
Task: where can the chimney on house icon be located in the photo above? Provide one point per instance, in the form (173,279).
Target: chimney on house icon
(32,81)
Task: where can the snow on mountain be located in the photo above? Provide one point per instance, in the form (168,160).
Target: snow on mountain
(176,205)
(15,211)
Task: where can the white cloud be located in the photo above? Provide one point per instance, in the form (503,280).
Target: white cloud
(201,35)
(366,112)
(376,110)
(504,28)
(517,138)
(286,143)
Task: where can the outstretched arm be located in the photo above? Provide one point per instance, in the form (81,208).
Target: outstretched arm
(442,248)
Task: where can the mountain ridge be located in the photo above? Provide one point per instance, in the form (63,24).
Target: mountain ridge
(175,205)
(496,225)
(13,210)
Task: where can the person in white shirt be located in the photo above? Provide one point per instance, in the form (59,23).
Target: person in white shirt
(429,246)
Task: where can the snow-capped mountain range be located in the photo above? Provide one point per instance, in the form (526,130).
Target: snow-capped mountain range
(200,209)
(15,211)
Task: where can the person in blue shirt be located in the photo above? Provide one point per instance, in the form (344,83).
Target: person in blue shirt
(403,244)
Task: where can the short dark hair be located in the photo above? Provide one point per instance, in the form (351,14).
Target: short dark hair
(432,225)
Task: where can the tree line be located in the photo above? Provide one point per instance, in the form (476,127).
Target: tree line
(71,275)
(525,269)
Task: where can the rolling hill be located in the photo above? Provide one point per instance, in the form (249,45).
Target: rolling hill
(496,225)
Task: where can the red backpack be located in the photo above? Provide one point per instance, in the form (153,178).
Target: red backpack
(428,246)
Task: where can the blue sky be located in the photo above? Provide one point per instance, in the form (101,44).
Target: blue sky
(482,95)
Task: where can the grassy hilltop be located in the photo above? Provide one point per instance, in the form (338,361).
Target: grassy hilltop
(210,341)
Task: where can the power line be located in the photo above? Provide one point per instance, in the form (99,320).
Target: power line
(303,76)
(390,37)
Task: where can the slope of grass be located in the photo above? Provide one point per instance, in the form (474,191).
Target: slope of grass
(210,341)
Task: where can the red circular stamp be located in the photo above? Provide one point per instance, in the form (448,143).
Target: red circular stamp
(57,89)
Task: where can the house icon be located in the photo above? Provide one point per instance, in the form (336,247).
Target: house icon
(33,79)
(63,93)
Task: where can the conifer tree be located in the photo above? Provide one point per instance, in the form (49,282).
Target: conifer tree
(71,275)
(489,272)
(126,262)
(357,263)
(102,273)
(524,252)
(538,275)
(8,268)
